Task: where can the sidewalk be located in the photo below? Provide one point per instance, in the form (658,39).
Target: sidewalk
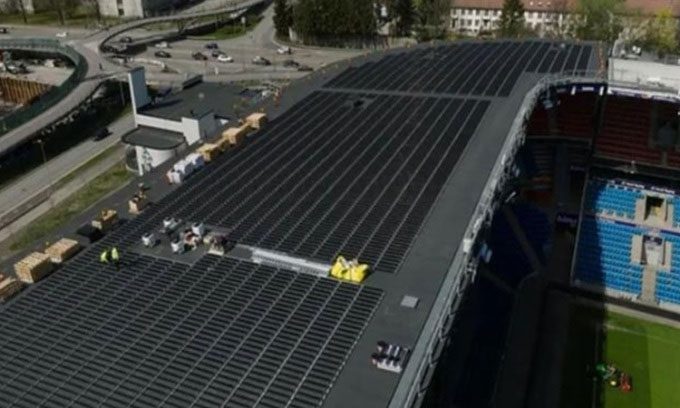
(39,180)
(57,197)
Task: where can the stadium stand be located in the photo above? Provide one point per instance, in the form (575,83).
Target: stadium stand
(668,283)
(576,115)
(626,129)
(611,198)
(604,255)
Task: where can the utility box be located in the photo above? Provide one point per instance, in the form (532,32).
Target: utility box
(33,267)
(62,250)
(256,120)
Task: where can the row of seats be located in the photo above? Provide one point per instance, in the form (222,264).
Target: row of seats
(625,131)
(602,196)
(668,282)
(574,117)
(603,256)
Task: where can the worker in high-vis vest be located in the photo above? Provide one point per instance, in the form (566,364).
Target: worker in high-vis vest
(115,257)
(104,257)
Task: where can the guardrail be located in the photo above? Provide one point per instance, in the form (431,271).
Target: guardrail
(416,378)
(54,95)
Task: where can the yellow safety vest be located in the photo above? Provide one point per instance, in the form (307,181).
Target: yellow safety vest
(114,254)
(103,257)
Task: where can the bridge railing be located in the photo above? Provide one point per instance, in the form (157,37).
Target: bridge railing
(50,98)
(416,378)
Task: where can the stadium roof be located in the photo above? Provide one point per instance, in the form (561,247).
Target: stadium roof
(386,162)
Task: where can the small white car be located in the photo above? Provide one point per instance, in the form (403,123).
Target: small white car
(224,58)
(62,34)
(284,51)
(162,44)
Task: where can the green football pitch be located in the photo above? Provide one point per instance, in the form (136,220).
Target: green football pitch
(649,352)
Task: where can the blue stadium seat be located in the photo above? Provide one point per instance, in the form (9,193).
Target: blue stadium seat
(604,197)
(604,255)
(668,283)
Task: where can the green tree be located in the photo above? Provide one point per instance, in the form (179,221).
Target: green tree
(404,12)
(333,19)
(511,23)
(662,33)
(431,18)
(282,17)
(599,19)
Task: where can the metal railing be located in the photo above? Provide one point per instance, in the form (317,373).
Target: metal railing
(55,94)
(415,379)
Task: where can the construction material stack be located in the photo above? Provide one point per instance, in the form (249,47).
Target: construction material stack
(256,120)
(8,287)
(235,135)
(106,220)
(34,267)
(62,250)
(209,151)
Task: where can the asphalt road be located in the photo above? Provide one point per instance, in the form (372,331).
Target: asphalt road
(258,42)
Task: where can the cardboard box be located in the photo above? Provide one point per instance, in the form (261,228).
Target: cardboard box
(8,287)
(256,120)
(209,151)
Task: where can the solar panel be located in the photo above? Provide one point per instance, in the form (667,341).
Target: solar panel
(158,333)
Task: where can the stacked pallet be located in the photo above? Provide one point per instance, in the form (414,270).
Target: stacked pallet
(106,220)
(235,135)
(33,267)
(8,287)
(256,120)
(62,250)
(209,151)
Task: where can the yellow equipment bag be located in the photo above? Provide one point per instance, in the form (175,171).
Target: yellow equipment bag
(351,271)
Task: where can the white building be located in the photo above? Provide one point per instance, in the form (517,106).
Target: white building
(168,125)
(133,8)
(472,17)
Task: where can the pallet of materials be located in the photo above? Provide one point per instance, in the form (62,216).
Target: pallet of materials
(235,135)
(137,203)
(8,287)
(62,250)
(256,120)
(209,151)
(106,220)
(33,267)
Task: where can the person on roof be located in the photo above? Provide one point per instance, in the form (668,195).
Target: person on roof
(115,257)
(104,256)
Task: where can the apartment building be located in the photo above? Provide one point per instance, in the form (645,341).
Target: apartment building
(472,17)
(134,8)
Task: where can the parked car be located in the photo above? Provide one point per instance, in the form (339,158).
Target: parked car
(199,56)
(16,69)
(62,34)
(216,53)
(101,134)
(225,58)
(211,46)
(305,68)
(284,50)
(261,61)
(162,44)
(291,64)
(162,54)
(4,30)
(126,39)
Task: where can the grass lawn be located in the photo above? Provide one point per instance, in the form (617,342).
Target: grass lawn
(63,212)
(649,352)
(231,30)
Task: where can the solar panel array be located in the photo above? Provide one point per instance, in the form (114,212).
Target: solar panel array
(333,178)
(483,69)
(158,333)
